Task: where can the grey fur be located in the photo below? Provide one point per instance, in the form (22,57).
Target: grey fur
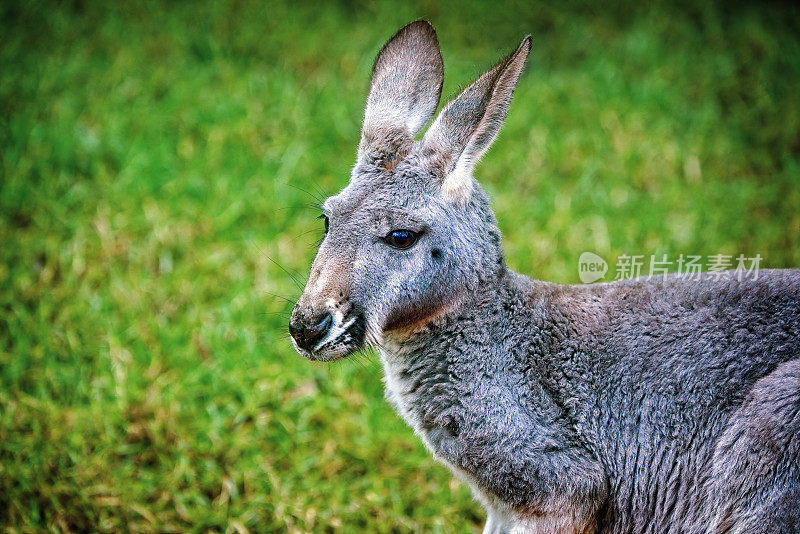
(663,405)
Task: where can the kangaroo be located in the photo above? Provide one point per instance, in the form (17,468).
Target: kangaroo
(646,405)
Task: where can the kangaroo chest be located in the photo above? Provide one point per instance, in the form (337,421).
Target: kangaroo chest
(428,398)
(427,395)
(407,381)
(470,423)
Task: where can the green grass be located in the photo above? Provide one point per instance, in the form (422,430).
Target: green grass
(155,160)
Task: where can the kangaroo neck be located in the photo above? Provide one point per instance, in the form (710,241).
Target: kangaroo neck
(487,311)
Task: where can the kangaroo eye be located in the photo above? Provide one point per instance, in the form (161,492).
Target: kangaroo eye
(401,238)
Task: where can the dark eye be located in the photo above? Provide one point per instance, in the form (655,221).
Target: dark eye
(327,223)
(401,238)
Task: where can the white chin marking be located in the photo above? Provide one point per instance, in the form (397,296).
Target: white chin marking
(336,330)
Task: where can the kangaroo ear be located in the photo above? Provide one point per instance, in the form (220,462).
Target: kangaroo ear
(404,92)
(466,127)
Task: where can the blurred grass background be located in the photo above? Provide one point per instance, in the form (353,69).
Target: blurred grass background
(157,157)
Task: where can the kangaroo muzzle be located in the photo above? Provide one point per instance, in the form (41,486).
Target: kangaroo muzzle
(324,324)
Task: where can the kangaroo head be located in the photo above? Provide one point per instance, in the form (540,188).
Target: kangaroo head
(412,235)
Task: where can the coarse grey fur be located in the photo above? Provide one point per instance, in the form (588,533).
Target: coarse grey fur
(661,405)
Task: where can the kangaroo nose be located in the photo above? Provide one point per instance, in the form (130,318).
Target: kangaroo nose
(307,336)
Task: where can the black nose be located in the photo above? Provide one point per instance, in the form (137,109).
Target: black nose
(308,334)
